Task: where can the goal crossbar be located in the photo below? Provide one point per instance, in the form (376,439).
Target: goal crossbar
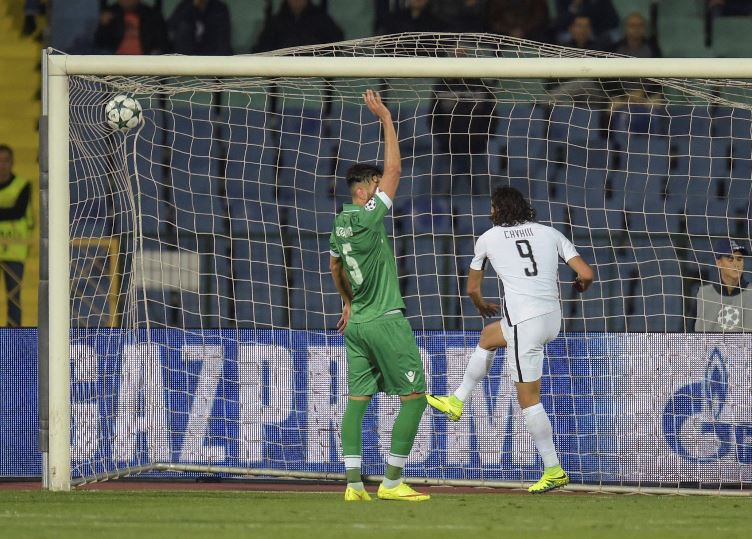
(404,67)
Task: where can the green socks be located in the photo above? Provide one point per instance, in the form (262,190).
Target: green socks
(352,438)
(403,435)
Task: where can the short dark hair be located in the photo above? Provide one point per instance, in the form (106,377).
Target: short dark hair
(511,207)
(6,148)
(362,172)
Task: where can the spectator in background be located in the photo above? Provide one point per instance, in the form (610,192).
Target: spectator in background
(579,90)
(729,8)
(16,223)
(463,16)
(723,8)
(130,27)
(416,17)
(581,34)
(201,27)
(602,14)
(726,303)
(462,120)
(32,10)
(633,101)
(526,19)
(636,41)
(297,23)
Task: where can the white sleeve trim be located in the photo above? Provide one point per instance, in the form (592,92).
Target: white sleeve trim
(385,199)
(477,264)
(479,254)
(568,258)
(334,254)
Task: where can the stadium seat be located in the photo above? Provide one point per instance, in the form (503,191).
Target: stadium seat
(625,7)
(413,129)
(523,155)
(681,33)
(462,215)
(731,37)
(740,193)
(356,18)
(685,120)
(708,215)
(259,286)
(191,133)
(573,124)
(732,122)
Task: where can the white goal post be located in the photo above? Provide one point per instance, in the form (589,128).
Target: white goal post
(66,421)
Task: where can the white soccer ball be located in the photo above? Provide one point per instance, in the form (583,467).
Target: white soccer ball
(123,113)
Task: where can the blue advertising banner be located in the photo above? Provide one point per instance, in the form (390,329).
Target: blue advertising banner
(19,422)
(658,408)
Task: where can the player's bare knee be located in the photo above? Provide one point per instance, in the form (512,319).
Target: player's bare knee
(491,337)
(528,393)
(527,401)
(411,396)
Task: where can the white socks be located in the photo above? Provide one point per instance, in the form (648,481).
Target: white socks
(478,366)
(536,419)
(539,427)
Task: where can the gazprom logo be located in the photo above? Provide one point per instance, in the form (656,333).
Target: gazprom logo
(692,417)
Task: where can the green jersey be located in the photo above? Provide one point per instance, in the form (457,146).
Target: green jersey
(359,237)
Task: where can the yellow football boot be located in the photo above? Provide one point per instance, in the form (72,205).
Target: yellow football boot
(402,492)
(451,406)
(552,478)
(352,495)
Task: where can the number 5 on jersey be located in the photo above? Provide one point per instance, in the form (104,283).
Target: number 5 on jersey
(352,264)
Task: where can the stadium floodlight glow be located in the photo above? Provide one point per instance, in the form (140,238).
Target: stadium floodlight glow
(186,310)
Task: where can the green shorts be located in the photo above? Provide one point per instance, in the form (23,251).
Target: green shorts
(382,356)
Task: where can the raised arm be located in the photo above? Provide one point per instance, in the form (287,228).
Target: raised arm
(392,166)
(343,287)
(585,274)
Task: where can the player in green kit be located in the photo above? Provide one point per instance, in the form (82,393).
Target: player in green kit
(381,350)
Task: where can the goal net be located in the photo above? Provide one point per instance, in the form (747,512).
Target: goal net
(202,313)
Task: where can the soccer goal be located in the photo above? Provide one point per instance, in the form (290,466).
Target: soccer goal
(187,314)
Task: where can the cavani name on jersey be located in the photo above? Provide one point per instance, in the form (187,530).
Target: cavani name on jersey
(526,259)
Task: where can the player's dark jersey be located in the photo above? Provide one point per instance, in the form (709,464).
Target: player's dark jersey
(359,237)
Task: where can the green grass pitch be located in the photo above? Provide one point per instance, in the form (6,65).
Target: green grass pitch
(279,515)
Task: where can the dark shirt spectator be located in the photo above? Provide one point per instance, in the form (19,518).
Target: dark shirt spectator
(723,8)
(601,13)
(461,120)
(527,19)
(578,90)
(636,41)
(581,34)
(730,8)
(201,27)
(463,16)
(297,23)
(130,27)
(632,99)
(32,10)
(462,116)
(417,17)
